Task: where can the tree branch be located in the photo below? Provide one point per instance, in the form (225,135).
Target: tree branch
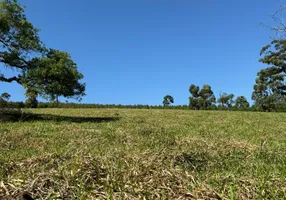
(6,43)
(9,80)
(13,64)
(3,42)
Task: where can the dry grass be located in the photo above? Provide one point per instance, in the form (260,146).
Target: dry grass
(144,154)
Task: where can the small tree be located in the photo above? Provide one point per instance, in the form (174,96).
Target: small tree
(207,96)
(201,99)
(4,98)
(226,100)
(168,99)
(241,103)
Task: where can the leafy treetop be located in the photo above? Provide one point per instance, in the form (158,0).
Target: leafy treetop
(270,86)
(168,99)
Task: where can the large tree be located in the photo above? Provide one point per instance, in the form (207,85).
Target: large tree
(49,73)
(54,75)
(19,40)
(270,87)
(207,96)
(201,98)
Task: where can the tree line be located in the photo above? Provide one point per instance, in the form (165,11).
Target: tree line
(204,99)
(50,73)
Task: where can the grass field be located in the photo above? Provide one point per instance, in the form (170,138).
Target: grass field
(145,154)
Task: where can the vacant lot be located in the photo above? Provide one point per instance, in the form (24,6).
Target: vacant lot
(145,154)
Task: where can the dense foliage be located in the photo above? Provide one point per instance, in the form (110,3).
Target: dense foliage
(241,103)
(226,100)
(55,75)
(168,99)
(270,87)
(48,73)
(203,99)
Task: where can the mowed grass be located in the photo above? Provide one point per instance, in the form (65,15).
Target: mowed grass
(145,154)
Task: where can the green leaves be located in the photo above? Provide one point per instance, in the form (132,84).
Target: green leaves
(194,90)
(168,99)
(5,96)
(55,75)
(17,33)
(19,39)
(49,73)
(201,99)
(270,88)
(241,103)
(226,100)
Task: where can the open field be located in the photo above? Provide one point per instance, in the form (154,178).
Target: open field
(145,154)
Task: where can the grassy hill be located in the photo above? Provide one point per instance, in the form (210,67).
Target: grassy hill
(144,154)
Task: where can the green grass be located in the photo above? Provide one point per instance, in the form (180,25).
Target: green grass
(145,154)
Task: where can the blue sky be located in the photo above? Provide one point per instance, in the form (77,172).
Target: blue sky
(136,52)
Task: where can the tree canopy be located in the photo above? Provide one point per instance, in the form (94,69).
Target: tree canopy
(54,75)
(201,98)
(226,100)
(270,87)
(18,38)
(4,98)
(168,99)
(46,72)
(241,103)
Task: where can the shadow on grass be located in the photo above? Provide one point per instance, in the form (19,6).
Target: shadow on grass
(19,116)
(193,161)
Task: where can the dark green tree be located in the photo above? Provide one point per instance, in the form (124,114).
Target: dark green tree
(207,97)
(19,39)
(53,76)
(201,99)
(4,98)
(194,99)
(168,99)
(48,73)
(194,90)
(241,103)
(270,88)
(226,100)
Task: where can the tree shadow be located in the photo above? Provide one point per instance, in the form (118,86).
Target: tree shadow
(16,115)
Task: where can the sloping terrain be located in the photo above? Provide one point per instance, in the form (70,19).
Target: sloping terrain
(144,154)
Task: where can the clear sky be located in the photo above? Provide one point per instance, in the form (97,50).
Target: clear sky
(137,51)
